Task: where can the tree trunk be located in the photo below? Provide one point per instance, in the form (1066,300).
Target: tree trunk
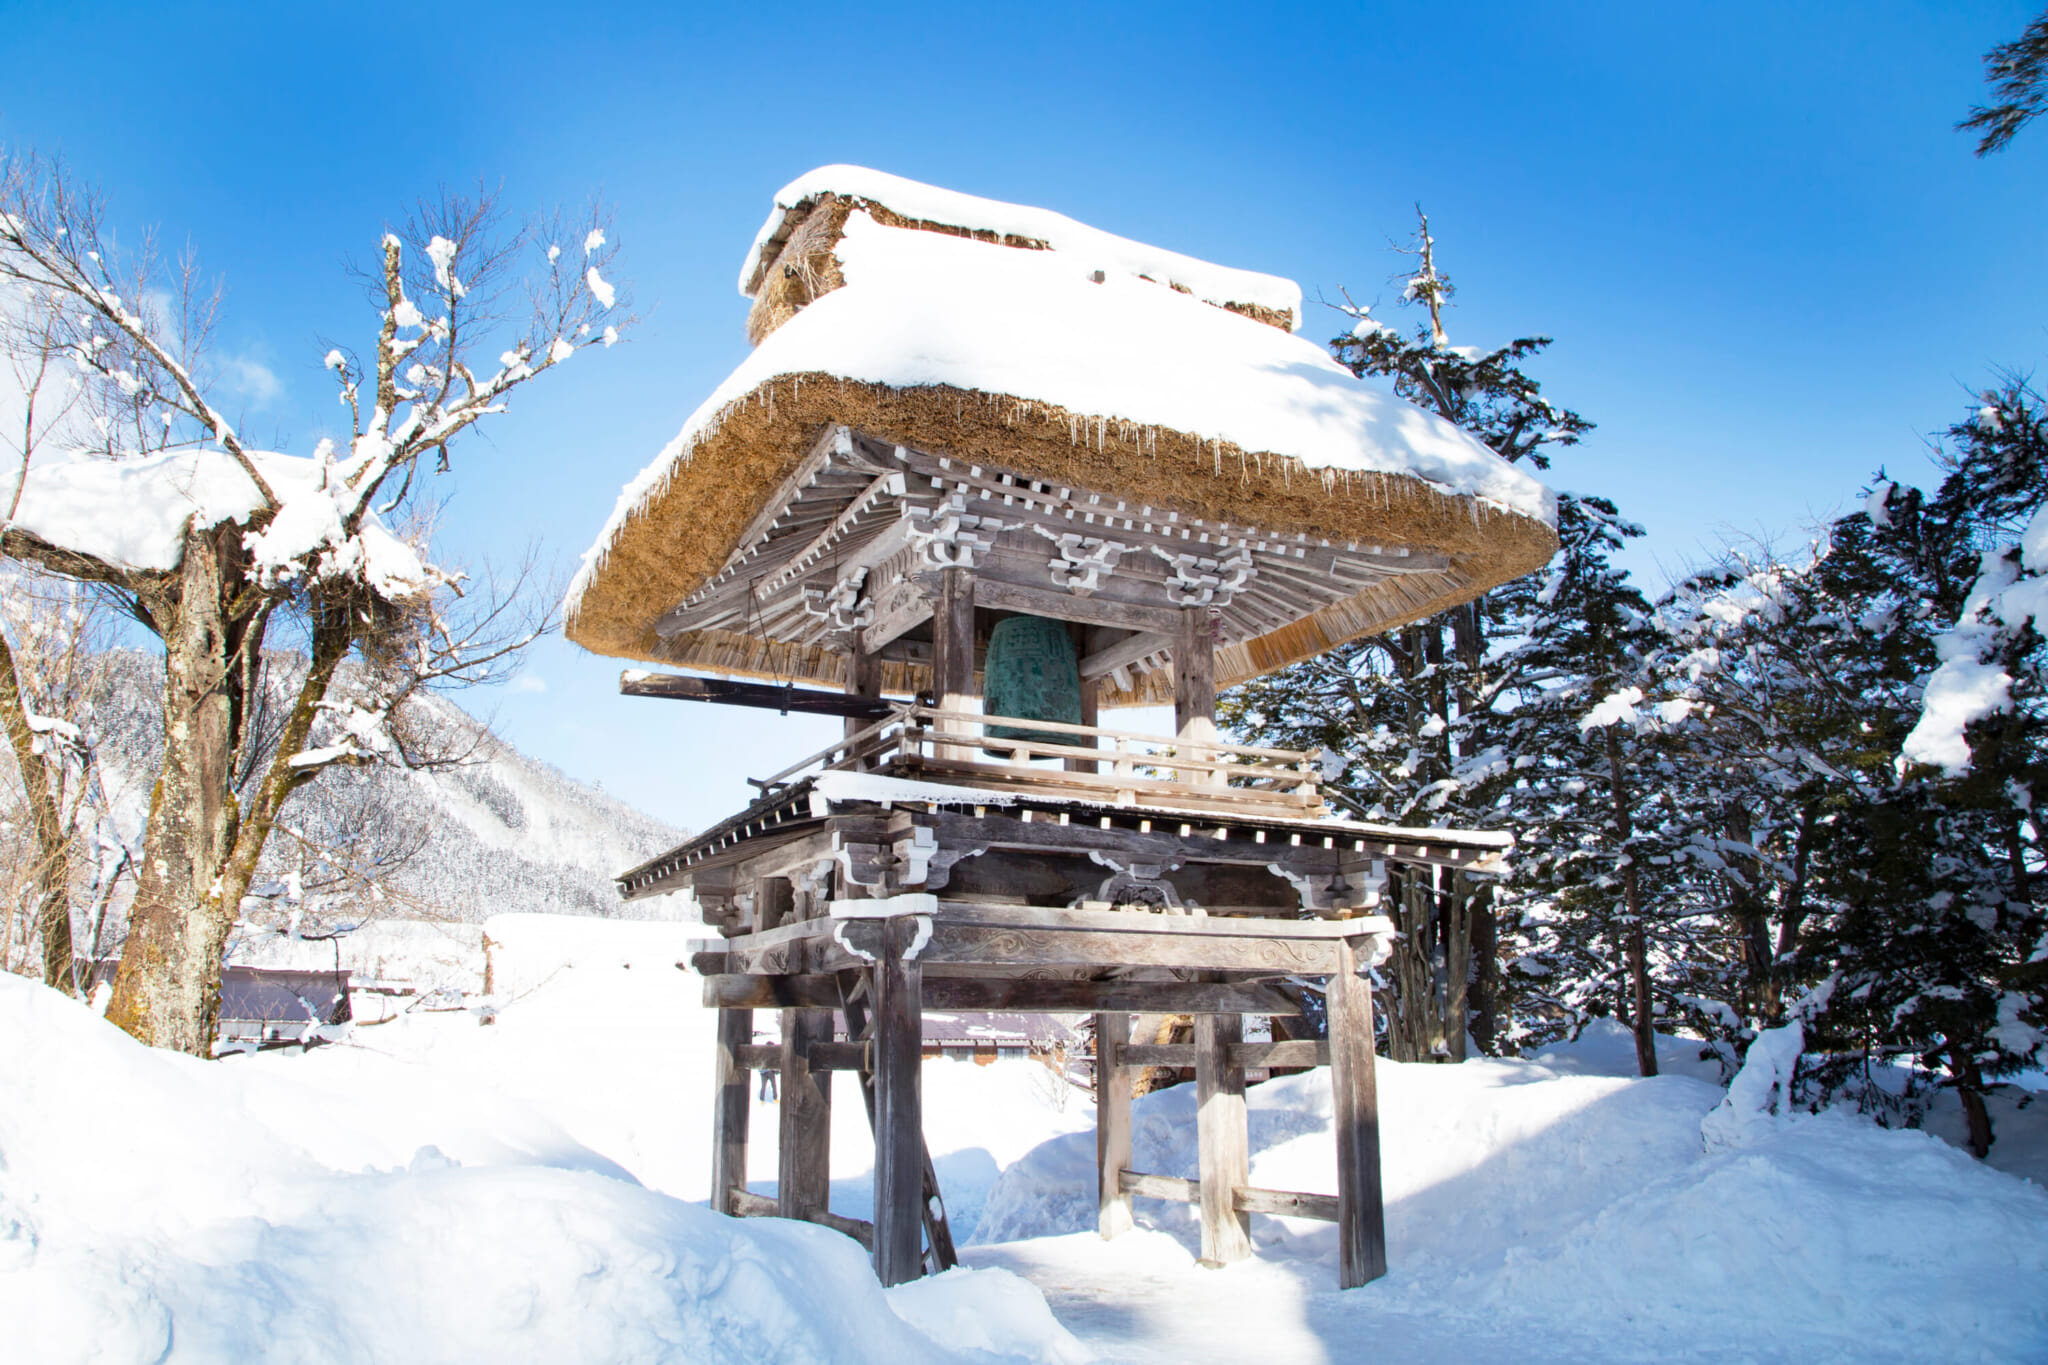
(167,992)
(1486,973)
(50,885)
(1969,1079)
(1635,940)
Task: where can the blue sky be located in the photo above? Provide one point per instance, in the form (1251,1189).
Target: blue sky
(1769,263)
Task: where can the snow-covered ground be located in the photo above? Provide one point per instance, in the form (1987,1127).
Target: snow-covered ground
(523,1182)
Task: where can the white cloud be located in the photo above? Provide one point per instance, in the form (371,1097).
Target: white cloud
(255,382)
(529,682)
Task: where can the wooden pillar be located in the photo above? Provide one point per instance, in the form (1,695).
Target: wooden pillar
(1223,1138)
(731,1096)
(899,1106)
(1091,698)
(953,641)
(804,1156)
(863,679)
(1112,1122)
(1361,1209)
(1194,685)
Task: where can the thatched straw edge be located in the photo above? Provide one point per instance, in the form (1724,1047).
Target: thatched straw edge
(685,526)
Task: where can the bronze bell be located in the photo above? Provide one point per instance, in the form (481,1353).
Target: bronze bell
(1031,672)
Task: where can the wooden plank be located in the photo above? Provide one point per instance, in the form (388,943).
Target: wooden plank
(1286,1052)
(899,1106)
(1222,1138)
(1140,1055)
(1113,1085)
(1361,1211)
(732,1095)
(1060,606)
(804,1155)
(737,992)
(763,696)
(1285,1203)
(1172,1187)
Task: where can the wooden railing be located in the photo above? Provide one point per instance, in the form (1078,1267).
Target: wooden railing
(1115,766)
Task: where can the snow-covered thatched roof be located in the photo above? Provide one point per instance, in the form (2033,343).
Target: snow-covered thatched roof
(1058,364)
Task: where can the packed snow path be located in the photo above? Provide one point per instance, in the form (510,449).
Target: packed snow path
(438,1189)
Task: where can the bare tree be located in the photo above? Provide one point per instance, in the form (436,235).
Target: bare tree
(301,539)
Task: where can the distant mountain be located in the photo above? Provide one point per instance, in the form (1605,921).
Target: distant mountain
(492,832)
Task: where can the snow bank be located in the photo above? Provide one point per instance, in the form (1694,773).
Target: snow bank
(153,1207)
(1086,249)
(1561,1207)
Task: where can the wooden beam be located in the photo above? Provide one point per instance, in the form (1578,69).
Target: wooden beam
(999,946)
(981,993)
(1113,1086)
(1060,606)
(1361,1210)
(747,1204)
(1172,1187)
(804,1156)
(731,1087)
(899,1105)
(726,692)
(1285,1203)
(1123,652)
(1222,1138)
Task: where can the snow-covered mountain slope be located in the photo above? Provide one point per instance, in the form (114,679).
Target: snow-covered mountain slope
(491,833)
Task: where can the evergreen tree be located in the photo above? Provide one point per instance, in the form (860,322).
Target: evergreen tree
(1412,714)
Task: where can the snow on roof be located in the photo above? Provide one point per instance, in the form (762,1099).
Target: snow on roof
(921,308)
(1084,248)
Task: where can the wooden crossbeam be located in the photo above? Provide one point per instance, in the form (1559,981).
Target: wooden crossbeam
(740,992)
(722,691)
(1287,1052)
(1244,1198)
(747,1204)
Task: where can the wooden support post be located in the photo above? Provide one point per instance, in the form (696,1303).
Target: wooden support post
(1194,687)
(899,1106)
(732,1094)
(953,647)
(804,1157)
(1112,1122)
(1223,1138)
(1091,699)
(1361,1211)
(863,679)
